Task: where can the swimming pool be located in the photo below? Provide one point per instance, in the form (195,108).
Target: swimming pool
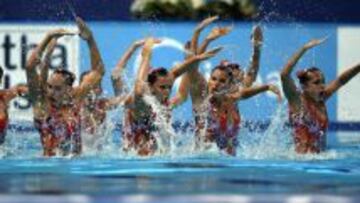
(210,175)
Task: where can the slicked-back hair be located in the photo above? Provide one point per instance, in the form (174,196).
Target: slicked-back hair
(303,75)
(155,73)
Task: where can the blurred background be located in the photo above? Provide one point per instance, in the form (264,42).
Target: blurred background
(287,25)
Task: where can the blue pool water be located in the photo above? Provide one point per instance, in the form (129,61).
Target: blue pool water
(335,172)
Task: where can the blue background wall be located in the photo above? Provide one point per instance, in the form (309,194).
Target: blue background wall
(281,41)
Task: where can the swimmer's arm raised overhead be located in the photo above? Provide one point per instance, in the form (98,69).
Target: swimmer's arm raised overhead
(181,68)
(245,93)
(191,49)
(141,78)
(340,81)
(257,40)
(97,67)
(288,84)
(117,82)
(33,79)
(36,55)
(200,27)
(45,64)
(215,33)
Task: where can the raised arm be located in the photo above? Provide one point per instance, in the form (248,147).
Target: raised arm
(116,73)
(197,32)
(186,80)
(344,78)
(257,40)
(45,64)
(97,71)
(187,64)
(288,84)
(245,93)
(33,79)
(141,79)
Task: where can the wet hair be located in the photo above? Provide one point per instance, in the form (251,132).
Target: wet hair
(187,45)
(303,75)
(1,72)
(155,73)
(69,76)
(234,66)
(224,68)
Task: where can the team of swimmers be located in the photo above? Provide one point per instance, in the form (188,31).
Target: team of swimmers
(65,114)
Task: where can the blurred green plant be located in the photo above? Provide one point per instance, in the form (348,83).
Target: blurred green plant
(193,9)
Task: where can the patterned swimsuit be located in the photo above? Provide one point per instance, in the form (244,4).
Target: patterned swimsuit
(60,134)
(309,129)
(223,128)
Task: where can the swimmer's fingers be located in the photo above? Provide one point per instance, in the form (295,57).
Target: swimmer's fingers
(315,42)
(257,36)
(207,22)
(210,53)
(218,32)
(22,89)
(149,43)
(84,30)
(139,43)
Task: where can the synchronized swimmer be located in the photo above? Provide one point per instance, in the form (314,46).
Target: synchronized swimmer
(64,115)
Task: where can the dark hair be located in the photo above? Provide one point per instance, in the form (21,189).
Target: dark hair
(155,73)
(224,68)
(187,45)
(234,66)
(1,72)
(303,75)
(69,76)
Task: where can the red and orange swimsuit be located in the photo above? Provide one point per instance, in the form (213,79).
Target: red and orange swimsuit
(223,128)
(138,134)
(4,121)
(309,129)
(57,133)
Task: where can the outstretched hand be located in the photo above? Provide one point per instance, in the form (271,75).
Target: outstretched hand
(206,22)
(149,43)
(22,89)
(314,42)
(257,36)
(139,43)
(218,32)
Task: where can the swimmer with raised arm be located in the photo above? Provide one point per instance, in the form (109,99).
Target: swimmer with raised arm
(307,110)
(139,127)
(6,95)
(94,107)
(56,103)
(215,102)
